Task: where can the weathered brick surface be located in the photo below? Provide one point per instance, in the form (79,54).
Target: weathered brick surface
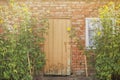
(76,11)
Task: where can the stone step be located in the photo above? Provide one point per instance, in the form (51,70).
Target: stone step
(63,78)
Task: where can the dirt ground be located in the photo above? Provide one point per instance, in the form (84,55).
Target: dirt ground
(63,78)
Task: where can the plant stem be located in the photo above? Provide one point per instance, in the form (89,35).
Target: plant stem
(29,64)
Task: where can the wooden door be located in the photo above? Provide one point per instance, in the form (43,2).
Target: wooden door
(57,48)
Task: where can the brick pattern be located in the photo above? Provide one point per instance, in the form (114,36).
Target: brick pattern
(77,11)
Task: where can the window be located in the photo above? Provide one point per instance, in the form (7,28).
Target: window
(91,25)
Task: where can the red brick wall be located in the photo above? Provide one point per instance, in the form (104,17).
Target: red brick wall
(77,11)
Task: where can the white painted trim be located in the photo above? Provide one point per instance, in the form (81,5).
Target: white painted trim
(86,33)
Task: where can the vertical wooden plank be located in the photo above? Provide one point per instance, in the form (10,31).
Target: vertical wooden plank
(51,47)
(62,64)
(55,49)
(63,46)
(46,52)
(63,59)
(59,53)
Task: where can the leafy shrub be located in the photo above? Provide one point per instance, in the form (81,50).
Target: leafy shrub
(21,56)
(107,43)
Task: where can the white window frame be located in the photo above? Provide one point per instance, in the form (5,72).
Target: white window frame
(87,20)
(87,39)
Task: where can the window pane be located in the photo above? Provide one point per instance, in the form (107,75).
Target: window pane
(91,37)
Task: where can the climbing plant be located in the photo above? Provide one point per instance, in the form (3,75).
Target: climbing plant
(21,36)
